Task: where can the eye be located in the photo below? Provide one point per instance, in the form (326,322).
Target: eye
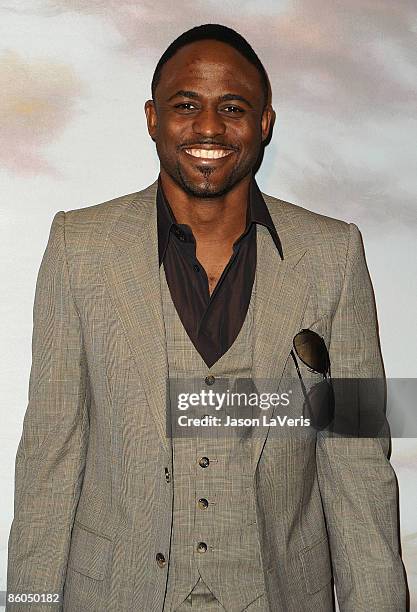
(183,106)
(234,109)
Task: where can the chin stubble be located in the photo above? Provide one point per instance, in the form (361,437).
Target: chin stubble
(205,192)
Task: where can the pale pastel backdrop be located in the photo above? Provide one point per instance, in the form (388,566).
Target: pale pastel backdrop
(74,76)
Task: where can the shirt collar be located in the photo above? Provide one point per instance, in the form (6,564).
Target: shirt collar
(257,212)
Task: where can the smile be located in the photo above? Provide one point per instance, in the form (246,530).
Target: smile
(208,153)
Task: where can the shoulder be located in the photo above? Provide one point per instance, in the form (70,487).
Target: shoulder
(103,212)
(298,218)
(97,221)
(297,225)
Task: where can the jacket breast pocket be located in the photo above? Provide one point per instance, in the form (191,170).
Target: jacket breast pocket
(315,561)
(89,552)
(321,326)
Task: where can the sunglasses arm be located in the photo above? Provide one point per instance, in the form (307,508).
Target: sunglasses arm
(306,398)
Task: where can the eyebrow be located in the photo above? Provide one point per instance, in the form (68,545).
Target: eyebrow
(192,94)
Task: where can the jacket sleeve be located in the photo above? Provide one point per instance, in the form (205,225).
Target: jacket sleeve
(357,482)
(50,458)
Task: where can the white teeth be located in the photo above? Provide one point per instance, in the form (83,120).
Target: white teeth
(208,153)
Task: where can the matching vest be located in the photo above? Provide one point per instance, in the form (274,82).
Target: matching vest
(214,534)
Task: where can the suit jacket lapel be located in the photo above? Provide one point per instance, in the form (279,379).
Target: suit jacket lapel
(282,294)
(131,270)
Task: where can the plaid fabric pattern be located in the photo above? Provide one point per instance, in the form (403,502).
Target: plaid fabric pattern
(93,507)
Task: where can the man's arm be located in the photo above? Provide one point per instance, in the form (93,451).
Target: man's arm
(356,480)
(50,459)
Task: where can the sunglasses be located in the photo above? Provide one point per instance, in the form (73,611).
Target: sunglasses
(319,401)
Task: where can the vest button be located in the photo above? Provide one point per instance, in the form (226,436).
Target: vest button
(203,462)
(201,547)
(202,503)
(160,559)
(209,380)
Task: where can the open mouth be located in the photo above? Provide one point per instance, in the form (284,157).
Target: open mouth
(208,154)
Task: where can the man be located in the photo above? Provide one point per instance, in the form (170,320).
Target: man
(199,277)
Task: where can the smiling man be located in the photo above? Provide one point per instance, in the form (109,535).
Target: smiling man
(200,277)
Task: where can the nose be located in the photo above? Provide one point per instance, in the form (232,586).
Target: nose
(209,123)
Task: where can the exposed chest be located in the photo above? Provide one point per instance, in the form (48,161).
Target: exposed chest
(214,269)
(214,259)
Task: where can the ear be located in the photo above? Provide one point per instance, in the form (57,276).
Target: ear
(267,121)
(151,118)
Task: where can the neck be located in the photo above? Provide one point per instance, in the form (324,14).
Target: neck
(213,220)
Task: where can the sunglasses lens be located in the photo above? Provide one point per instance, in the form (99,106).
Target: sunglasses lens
(311,349)
(319,405)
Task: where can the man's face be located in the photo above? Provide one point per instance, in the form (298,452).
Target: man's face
(208,119)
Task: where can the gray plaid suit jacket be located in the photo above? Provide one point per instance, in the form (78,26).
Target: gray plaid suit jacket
(92,505)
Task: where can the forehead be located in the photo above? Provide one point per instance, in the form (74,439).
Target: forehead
(211,66)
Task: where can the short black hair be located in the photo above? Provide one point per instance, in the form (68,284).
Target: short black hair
(213,31)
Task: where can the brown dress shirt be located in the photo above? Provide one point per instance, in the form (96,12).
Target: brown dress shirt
(211,321)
